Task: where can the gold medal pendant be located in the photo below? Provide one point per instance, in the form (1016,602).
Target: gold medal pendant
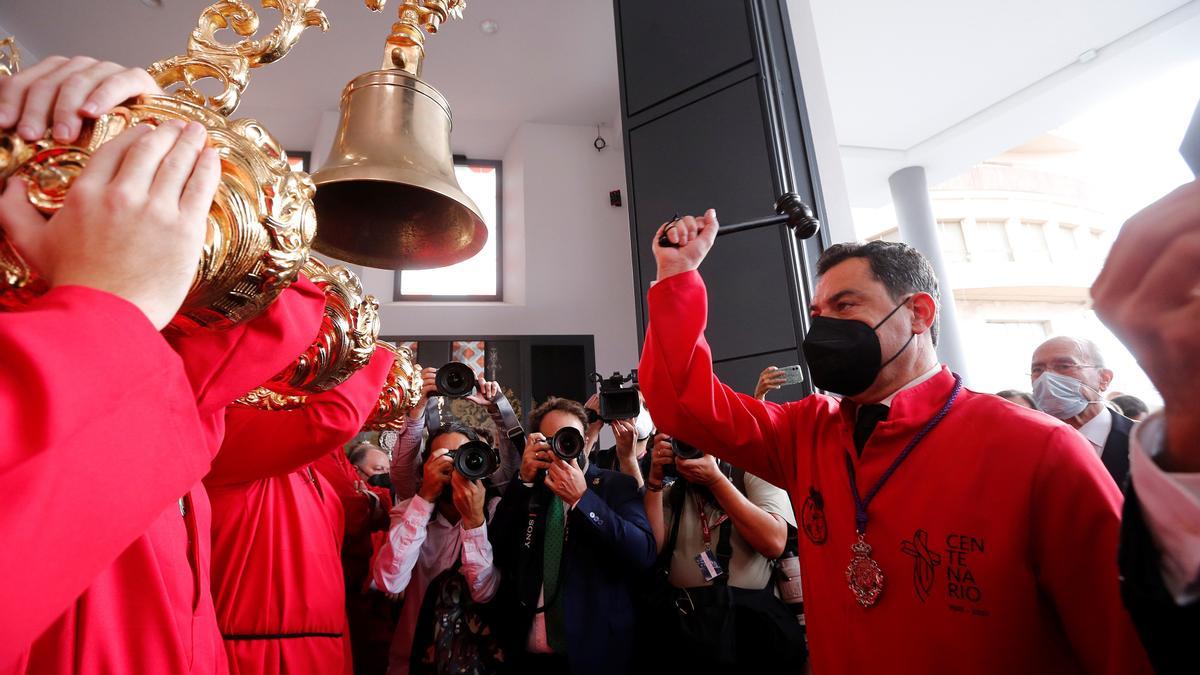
(863,574)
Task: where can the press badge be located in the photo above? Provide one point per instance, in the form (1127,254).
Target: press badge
(709,567)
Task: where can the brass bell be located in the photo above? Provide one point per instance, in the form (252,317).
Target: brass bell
(387,196)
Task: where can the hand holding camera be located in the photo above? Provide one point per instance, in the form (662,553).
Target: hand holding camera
(689,240)
(468,500)
(537,457)
(702,470)
(625,432)
(438,470)
(485,392)
(565,479)
(661,455)
(428,388)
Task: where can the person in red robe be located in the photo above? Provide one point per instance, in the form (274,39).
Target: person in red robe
(943,530)
(277,530)
(97,404)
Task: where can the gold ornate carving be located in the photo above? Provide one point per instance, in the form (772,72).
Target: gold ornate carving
(261,224)
(346,340)
(10,56)
(401,391)
(406,45)
(266,399)
(207,57)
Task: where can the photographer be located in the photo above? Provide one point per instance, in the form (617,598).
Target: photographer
(630,455)
(437,542)
(406,472)
(718,529)
(570,540)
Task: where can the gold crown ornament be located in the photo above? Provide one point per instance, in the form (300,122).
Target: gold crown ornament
(261,224)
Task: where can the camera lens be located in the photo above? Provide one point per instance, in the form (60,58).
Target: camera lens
(476,460)
(685,451)
(567,443)
(455,380)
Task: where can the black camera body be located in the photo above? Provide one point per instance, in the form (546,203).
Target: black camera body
(476,460)
(617,401)
(455,380)
(684,451)
(568,443)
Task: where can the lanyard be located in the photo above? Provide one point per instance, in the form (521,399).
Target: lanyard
(860,504)
(706,527)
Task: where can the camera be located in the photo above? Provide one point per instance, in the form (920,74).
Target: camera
(476,460)
(684,451)
(455,380)
(617,401)
(567,443)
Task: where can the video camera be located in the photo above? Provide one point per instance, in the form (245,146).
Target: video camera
(476,460)
(617,401)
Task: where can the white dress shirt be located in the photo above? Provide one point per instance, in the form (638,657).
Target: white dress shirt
(937,368)
(1096,430)
(1171,507)
(421,544)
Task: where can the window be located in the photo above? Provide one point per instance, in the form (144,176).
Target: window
(954,245)
(1033,244)
(476,279)
(992,240)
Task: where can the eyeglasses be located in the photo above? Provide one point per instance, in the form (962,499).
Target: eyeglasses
(1060,367)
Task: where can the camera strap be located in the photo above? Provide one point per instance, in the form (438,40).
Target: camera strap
(433,414)
(512,426)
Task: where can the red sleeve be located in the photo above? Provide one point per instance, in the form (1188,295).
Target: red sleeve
(687,400)
(92,398)
(225,364)
(336,469)
(1077,510)
(261,443)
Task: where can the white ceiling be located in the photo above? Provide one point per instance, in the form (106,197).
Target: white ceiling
(939,83)
(551,61)
(946,83)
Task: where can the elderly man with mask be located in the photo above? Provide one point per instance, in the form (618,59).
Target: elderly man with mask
(1069,379)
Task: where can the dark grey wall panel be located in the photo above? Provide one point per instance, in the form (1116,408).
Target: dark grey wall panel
(678,44)
(723,128)
(742,374)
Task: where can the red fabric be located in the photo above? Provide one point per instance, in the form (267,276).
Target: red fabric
(1018,515)
(337,469)
(142,569)
(277,529)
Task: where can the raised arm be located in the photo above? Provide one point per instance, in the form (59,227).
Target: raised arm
(260,443)
(676,370)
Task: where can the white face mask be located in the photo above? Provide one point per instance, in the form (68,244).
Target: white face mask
(645,425)
(1060,396)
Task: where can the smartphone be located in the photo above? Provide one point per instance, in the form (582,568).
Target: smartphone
(792,375)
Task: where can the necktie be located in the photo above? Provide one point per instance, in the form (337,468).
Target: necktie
(552,551)
(864,426)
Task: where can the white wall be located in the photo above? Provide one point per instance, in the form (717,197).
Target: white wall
(566,251)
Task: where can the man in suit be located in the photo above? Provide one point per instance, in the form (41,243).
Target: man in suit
(570,540)
(1149,295)
(1068,380)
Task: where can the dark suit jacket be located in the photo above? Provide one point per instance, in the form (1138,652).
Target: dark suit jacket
(1168,630)
(1116,449)
(609,546)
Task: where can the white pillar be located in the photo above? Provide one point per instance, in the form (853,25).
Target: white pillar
(914,214)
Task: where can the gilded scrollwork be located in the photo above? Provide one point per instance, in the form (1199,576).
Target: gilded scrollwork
(401,391)
(208,57)
(261,224)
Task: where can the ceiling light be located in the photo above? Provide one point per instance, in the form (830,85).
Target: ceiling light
(1088,55)
(489,27)
(155,4)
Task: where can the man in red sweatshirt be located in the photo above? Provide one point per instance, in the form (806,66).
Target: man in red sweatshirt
(943,530)
(277,530)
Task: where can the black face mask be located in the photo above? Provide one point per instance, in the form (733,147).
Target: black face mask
(382,480)
(844,355)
